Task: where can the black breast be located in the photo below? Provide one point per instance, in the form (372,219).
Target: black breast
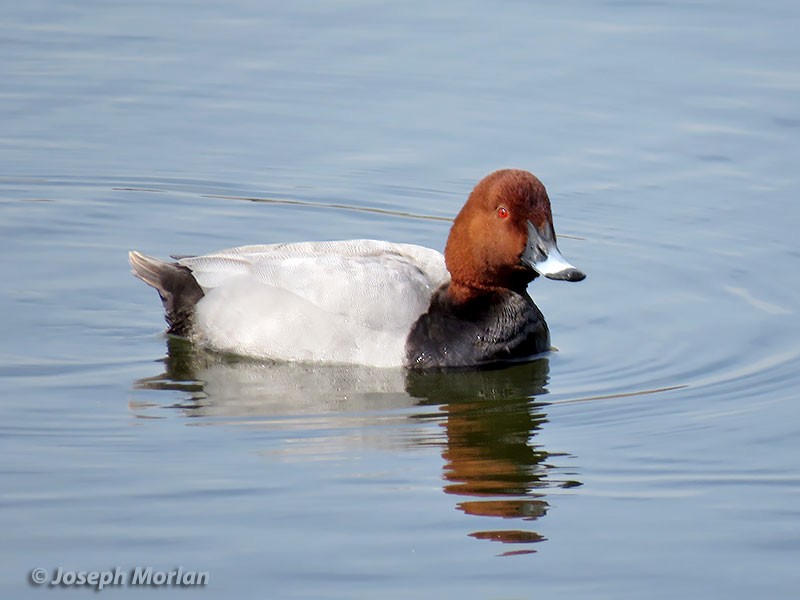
(493,327)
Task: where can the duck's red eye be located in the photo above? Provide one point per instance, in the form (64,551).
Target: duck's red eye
(502,212)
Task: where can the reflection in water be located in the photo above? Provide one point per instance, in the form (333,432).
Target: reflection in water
(490,457)
(489,420)
(254,392)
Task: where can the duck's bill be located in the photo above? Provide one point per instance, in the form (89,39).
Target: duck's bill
(541,254)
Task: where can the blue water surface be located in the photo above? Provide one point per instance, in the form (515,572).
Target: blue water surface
(653,455)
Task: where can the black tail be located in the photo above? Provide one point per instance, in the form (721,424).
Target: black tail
(175,284)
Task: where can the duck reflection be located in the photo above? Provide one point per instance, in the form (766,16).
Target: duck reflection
(488,418)
(491,458)
(233,387)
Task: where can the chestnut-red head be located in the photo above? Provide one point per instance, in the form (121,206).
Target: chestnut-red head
(504,237)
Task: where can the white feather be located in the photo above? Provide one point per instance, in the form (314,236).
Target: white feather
(345,302)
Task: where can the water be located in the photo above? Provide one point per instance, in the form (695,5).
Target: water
(654,455)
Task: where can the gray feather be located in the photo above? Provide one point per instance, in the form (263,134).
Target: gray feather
(175,284)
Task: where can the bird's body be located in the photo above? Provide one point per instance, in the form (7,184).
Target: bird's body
(373,302)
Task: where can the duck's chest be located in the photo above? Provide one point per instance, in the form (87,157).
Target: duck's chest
(496,327)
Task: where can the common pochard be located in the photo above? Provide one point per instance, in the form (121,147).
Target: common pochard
(378,303)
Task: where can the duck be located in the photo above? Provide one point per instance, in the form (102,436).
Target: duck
(378,303)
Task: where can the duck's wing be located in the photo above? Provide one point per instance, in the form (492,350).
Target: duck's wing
(376,284)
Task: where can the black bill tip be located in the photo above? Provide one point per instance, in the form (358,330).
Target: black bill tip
(567,275)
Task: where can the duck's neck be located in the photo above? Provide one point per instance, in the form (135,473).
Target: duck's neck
(460,293)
